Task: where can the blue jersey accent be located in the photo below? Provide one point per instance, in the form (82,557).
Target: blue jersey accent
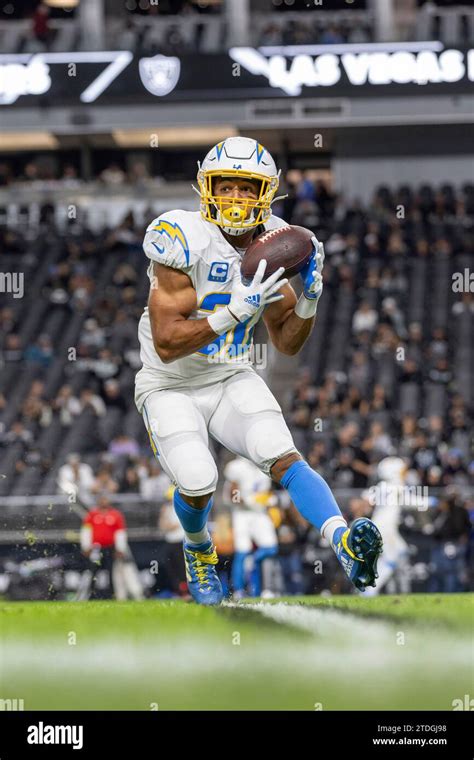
(211,302)
(174,232)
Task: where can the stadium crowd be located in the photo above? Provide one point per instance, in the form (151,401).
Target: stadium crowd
(150,27)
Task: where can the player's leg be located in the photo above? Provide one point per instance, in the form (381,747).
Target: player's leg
(265,538)
(249,421)
(242,549)
(357,547)
(178,436)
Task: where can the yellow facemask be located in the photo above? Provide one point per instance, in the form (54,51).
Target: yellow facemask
(243,213)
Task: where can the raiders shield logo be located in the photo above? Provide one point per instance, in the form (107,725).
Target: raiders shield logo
(159,74)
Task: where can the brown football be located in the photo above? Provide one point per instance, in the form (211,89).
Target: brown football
(288,247)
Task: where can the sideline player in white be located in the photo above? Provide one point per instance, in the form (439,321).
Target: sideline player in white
(388,497)
(247,488)
(197,378)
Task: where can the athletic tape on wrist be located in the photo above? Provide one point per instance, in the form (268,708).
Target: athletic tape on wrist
(306,307)
(222,320)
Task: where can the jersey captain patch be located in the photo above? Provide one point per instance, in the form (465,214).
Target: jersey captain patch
(219,271)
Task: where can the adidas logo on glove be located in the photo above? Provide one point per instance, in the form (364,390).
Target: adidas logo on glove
(253,300)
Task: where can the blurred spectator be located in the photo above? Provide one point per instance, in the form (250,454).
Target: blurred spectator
(393,316)
(113,175)
(155,483)
(271,35)
(66,405)
(359,372)
(331,36)
(12,351)
(352,468)
(91,401)
(41,352)
(18,434)
(424,456)
(410,372)
(76,479)
(113,396)
(130,482)
(106,365)
(123,445)
(440,373)
(365,318)
(104,484)
(93,334)
(451,529)
(36,413)
(41,30)
(454,468)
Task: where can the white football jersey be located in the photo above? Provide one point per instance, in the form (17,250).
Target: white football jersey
(183,240)
(387,516)
(251,482)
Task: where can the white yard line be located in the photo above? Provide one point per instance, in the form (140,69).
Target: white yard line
(338,638)
(376,638)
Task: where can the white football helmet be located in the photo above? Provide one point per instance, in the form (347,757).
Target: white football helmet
(244,158)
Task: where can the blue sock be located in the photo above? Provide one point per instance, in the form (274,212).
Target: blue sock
(310,493)
(193,520)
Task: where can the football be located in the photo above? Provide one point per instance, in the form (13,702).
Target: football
(288,247)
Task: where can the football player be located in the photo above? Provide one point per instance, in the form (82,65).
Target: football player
(197,377)
(389,496)
(248,489)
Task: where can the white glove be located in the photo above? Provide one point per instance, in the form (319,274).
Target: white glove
(246,300)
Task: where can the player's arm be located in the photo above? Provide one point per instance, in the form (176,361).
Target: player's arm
(171,301)
(287,331)
(290,321)
(173,298)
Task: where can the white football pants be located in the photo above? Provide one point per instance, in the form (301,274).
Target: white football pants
(240,412)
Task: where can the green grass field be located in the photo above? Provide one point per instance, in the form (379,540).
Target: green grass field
(346,653)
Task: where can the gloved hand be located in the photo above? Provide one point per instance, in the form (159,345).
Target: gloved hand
(312,272)
(246,300)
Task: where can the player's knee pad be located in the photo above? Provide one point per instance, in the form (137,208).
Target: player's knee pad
(193,467)
(269,440)
(180,440)
(266,434)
